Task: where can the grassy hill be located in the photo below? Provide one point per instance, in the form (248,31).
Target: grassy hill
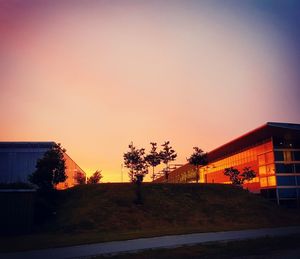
(95,213)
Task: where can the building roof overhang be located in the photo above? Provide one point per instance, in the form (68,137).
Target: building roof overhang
(287,131)
(26,144)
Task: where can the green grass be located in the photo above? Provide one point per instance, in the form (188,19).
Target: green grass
(105,212)
(261,247)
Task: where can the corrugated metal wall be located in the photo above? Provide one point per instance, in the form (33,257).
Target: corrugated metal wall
(18,160)
(17,163)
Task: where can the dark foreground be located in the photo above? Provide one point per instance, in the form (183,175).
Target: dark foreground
(137,245)
(275,247)
(106,212)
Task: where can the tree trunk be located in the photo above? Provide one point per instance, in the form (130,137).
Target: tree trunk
(167,173)
(153,174)
(197,174)
(138,190)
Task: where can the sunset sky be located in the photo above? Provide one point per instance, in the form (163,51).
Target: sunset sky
(96,75)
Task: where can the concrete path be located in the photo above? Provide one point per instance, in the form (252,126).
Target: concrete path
(149,243)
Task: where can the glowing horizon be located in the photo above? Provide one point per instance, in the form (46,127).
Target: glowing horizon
(95,77)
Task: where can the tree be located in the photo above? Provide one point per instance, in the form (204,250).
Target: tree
(153,159)
(135,161)
(197,159)
(238,179)
(248,174)
(95,178)
(167,155)
(80,177)
(233,175)
(50,169)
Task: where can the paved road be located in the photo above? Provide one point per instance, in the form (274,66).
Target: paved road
(149,243)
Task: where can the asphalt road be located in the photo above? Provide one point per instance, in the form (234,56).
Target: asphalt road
(149,243)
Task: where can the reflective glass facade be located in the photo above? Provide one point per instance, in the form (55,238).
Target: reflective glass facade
(259,158)
(272,151)
(18,160)
(71,171)
(287,166)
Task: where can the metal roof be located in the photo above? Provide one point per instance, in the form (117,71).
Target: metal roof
(292,126)
(264,132)
(24,144)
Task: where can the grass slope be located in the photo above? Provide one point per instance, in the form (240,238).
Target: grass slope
(104,212)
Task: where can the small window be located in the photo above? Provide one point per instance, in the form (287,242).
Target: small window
(287,193)
(270,169)
(261,159)
(278,156)
(278,143)
(287,155)
(262,171)
(296,155)
(263,182)
(272,180)
(284,168)
(286,180)
(269,157)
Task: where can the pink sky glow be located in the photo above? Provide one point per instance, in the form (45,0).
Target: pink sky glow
(96,77)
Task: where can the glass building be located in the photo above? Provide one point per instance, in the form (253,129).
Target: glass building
(272,151)
(18,160)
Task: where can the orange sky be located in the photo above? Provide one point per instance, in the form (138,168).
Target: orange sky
(97,77)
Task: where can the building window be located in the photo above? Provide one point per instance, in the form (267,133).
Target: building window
(278,155)
(278,143)
(284,168)
(263,182)
(262,171)
(270,169)
(272,180)
(261,159)
(296,155)
(287,155)
(269,158)
(286,180)
(287,193)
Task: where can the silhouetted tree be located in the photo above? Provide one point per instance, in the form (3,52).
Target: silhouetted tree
(153,159)
(50,169)
(238,179)
(167,155)
(233,175)
(80,178)
(95,178)
(197,159)
(248,174)
(135,161)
